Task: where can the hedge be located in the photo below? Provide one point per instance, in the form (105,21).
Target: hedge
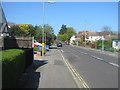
(13,65)
(36,49)
(107,45)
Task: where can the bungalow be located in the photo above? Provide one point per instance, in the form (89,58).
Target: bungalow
(116,43)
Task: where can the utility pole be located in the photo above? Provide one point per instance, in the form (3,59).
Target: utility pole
(43,31)
(43,12)
(45,42)
(85,31)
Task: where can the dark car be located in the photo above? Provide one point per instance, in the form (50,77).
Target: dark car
(59,44)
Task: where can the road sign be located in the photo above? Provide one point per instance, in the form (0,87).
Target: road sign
(103,38)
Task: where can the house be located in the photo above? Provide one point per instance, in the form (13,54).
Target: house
(72,39)
(93,38)
(3,23)
(116,43)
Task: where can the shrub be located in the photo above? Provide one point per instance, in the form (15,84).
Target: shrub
(119,50)
(13,64)
(36,49)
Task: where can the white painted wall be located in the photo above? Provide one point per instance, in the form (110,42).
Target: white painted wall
(72,39)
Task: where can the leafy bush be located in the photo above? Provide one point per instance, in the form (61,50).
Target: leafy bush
(119,50)
(107,45)
(99,44)
(13,64)
(36,49)
(109,49)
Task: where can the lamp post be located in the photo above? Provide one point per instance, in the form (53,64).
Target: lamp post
(85,31)
(43,11)
(43,31)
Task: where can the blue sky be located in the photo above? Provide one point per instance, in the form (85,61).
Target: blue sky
(73,14)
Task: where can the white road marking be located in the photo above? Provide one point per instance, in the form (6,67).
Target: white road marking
(97,57)
(114,64)
(62,51)
(78,79)
(83,52)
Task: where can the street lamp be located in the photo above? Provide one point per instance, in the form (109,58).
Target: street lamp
(43,36)
(43,10)
(85,31)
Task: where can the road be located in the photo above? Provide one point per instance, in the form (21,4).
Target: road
(99,70)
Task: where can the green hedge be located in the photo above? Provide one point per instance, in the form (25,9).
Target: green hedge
(13,65)
(107,45)
(36,49)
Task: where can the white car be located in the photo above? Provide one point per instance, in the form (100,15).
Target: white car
(37,43)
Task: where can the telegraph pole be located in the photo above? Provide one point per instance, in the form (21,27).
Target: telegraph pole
(85,31)
(43,31)
(43,11)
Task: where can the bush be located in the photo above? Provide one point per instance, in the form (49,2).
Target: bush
(99,44)
(109,49)
(13,65)
(36,49)
(119,50)
(107,45)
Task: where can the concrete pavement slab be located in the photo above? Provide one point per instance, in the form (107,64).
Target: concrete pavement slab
(51,72)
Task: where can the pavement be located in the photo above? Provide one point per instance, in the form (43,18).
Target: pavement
(49,71)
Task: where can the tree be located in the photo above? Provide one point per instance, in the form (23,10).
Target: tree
(63,29)
(65,33)
(31,30)
(62,37)
(49,34)
(65,37)
(38,33)
(59,37)
(106,30)
(70,32)
(22,30)
(16,31)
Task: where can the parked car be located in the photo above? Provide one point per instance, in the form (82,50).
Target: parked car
(59,44)
(37,43)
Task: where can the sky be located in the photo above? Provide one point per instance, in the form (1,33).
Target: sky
(92,16)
